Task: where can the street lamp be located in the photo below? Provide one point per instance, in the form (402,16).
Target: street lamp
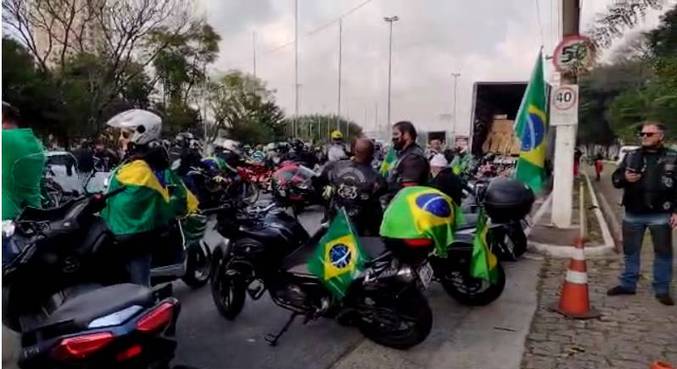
(390,20)
(453,127)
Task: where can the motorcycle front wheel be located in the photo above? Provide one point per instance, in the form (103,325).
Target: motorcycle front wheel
(399,323)
(228,289)
(198,268)
(470,291)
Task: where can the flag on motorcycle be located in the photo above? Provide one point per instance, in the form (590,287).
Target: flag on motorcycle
(150,199)
(338,258)
(388,162)
(421,212)
(531,126)
(484,262)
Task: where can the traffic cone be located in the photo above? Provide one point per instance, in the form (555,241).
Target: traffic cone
(661,365)
(574,300)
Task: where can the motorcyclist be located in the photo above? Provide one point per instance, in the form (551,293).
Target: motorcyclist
(357,186)
(411,167)
(153,194)
(300,155)
(444,179)
(336,151)
(23,162)
(229,151)
(105,159)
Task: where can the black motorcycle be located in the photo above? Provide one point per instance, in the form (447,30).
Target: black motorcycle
(270,252)
(64,290)
(507,238)
(506,202)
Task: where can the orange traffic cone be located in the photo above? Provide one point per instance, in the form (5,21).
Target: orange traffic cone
(574,300)
(661,365)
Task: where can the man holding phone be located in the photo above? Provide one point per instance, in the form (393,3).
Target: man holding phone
(648,177)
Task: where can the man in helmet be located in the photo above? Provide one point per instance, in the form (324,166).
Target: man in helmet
(153,195)
(301,155)
(337,150)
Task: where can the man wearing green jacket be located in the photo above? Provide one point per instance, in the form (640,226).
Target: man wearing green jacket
(23,161)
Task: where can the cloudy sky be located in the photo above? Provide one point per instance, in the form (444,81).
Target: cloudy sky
(484,40)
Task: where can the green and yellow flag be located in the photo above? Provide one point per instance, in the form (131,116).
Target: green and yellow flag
(484,262)
(388,162)
(456,166)
(338,258)
(531,126)
(421,212)
(145,204)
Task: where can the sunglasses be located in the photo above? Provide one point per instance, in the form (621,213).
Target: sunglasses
(647,134)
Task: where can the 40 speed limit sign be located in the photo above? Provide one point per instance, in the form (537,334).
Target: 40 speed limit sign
(564,105)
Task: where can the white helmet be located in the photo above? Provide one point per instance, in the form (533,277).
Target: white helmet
(228,144)
(147,126)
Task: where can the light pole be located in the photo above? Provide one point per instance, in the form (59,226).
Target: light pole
(390,20)
(296,64)
(453,127)
(340,57)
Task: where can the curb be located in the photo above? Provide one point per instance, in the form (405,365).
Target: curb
(562,251)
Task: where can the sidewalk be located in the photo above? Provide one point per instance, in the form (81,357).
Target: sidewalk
(633,331)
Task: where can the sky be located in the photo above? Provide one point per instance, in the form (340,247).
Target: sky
(483,40)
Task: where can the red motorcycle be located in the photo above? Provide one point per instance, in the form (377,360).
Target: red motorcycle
(256,174)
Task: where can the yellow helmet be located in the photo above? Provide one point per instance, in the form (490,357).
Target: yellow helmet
(336,135)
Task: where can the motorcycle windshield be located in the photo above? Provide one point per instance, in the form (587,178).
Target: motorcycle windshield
(62,168)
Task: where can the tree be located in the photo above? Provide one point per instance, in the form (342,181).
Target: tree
(317,127)
(118,36)
(182,64)
(656,99)
(241,105)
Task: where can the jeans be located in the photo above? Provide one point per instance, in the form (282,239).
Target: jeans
(634,227)
(139,270)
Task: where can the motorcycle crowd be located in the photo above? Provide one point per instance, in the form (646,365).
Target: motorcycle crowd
(86,275)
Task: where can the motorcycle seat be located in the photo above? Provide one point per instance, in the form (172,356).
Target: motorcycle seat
(373,246)
(81,308)
(50,214)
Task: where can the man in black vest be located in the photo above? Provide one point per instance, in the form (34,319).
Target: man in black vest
(648,178)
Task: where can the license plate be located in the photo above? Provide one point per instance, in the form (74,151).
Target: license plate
(425,273)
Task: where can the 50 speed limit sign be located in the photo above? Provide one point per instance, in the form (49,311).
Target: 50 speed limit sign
(564,105)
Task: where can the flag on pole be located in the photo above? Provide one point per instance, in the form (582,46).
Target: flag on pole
(531,126)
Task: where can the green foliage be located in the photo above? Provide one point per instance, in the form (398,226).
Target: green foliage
(641,85)
(318,127)
(242,106)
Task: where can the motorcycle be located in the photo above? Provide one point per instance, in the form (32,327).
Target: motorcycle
(507,237)
(270,251)
(80,313)
(293,187)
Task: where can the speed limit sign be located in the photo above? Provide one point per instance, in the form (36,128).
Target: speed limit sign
(564,105)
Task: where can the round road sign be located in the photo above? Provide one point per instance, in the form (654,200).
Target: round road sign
(565,98)
(573,54)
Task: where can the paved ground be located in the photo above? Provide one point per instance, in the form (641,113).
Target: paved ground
(633,331)
(462,337)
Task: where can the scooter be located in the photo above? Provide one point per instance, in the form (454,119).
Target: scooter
(63,291)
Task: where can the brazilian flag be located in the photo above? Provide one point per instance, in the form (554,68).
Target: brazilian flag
(150,200)
(421,212)
(338,258)
(388,162)
(531,125)
(484,262)
(456,165)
